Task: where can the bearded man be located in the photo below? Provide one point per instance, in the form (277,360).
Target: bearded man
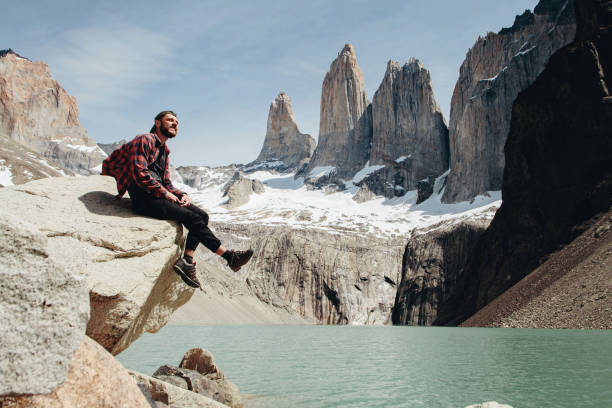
(141,167)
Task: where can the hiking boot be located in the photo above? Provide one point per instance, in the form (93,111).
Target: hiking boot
(187,272)
(238,258)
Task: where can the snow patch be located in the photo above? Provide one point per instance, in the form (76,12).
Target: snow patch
(402,158)
(6,176)
(320,171)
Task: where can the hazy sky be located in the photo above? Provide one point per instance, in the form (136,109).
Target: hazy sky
(219,64)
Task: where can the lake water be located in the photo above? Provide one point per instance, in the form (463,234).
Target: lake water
(395,366)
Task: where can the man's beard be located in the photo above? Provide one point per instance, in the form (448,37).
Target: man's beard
(165,130)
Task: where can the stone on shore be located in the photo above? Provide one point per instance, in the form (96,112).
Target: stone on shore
(95,379)
(166,394)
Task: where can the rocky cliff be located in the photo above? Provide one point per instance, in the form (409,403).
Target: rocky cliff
(432,266)
(558,173)
(410,137)
(35,111)
(345,129)
(328,278)
(495,70)
(284,148)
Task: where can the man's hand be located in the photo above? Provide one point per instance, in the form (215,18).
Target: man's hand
(171,197)
(185,200)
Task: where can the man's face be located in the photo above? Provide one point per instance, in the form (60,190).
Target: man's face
(168,125)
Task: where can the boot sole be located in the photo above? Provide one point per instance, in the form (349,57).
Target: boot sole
(185,278)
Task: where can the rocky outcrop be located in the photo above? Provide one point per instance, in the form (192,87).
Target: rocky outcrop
(44,309)
(36,112)
(328,278)
(201,177)
(495,70)
(95,379)
(410,137)
(345,130)
(432,265)
(168,395)
(19,164)
(108,148)
(238,190)
(563,118)
(199,373)
(284,148)
(127,259)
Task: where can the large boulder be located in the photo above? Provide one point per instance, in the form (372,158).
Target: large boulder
(166,394)
(95,379)
(127,259)
(44,309)
(238,190)
(199,373)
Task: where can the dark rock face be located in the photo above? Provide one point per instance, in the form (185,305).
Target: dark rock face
(495,70)
(558,169)
(431,267)
(345,130)
(410,137)
(284,148)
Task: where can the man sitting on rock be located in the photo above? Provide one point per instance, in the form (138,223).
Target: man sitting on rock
(141,168)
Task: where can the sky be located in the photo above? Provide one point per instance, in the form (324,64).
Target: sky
(219,64)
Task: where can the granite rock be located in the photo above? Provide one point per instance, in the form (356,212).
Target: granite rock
(127,259)
(345,129)
(44,310)
(238,190)
(432,265)
(557,175)
(495,70)
(95,379)
(36,111)
(173,396)
(285,149)
(410,137)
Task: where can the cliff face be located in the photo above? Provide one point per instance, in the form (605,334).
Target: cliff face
(563,118)
(495,70)
(35,111)
(410,137)
(345,130)
(284,148)
(431,268)
(328,278)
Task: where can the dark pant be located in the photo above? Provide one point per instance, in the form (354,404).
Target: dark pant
(192,217)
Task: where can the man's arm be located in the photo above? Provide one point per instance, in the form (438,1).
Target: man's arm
(140,152)
(168,183)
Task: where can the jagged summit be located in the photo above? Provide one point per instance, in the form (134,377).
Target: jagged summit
(495,70)
(10,51)
(345,129)
(410,137)
(284,148)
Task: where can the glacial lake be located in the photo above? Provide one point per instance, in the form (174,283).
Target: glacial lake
(394,366)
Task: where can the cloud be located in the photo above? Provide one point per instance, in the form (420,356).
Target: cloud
(99,64)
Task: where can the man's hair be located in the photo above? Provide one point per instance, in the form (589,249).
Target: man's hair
(160,116)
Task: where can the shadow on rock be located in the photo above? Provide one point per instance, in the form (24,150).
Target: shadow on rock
(104,203)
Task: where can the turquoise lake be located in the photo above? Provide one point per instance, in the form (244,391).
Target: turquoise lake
(395,366)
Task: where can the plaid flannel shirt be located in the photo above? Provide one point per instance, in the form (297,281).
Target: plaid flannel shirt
(130,164)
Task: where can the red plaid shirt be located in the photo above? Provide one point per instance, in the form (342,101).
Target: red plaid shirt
(130,164)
